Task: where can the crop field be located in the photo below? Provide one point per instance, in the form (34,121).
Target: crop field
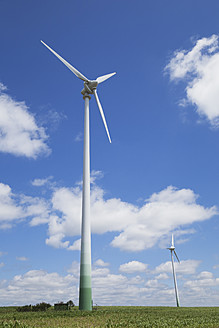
(107,317)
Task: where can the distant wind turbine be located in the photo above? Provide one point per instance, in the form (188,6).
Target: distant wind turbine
(90,87)
(172,250)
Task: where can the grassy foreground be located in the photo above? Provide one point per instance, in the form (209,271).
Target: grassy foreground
(115,316)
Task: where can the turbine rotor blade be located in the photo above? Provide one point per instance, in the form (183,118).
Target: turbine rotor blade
(176,256)
(100,79)
(102,113)
(74,70)
(172,241)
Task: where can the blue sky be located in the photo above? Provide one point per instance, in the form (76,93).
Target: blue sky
(160,174)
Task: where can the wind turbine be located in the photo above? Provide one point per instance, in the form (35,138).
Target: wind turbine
(90,86)
(172,250)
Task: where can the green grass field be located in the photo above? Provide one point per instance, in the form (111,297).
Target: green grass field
(106,317)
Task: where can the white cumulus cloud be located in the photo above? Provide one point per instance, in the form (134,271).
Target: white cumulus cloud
(199,68)
(76,246)
(2,87)
(133,266)
(184,267)
(16,207)
(162,276)
(9,208)
(21,258)
(101,263)
(41,182)
(19,133)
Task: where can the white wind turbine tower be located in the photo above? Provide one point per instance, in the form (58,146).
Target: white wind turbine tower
(172,250)
(90,86)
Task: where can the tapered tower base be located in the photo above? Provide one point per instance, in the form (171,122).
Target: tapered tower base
(85,303)
(85,293)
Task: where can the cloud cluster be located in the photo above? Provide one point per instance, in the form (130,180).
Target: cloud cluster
(199,68)
(136,228)
(204,279)
(36,286)
(19,133)
(109,288)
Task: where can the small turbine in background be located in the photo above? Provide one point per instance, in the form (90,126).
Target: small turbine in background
(172,250)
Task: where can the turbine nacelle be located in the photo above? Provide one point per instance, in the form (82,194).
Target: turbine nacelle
(172,249)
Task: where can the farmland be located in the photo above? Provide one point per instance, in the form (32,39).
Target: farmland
(107,317)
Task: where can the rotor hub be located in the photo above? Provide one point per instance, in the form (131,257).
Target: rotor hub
(89,87)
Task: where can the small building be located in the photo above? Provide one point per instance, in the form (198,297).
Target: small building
(61,306)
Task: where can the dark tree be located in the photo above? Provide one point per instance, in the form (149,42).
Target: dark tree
(70,303)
